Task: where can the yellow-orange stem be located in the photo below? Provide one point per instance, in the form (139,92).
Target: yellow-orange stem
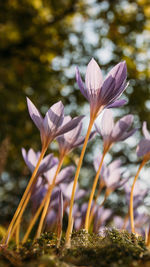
(95,202)
(18,235)
(19,218)
(131,196)
(33,177)
(48,199)
(69,230)
(92,193)
(34,219)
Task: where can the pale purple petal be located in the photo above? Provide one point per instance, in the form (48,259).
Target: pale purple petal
(117,103)
(143,147)
(114,83)
(35,114)
(118,221)
(81,139)
(51,218)
(54,118)
(113,178)
(67,190)
(96,163)
(127,135)
(45,164)
(49,175)
(31,165)
(119,72)
(66,120)
(107,124)
(122,126)
(93,77)
(73,135)
(69,126)
(145,131)
(65,174)
(81,84)
(107,88)
(114,165)
(79,194)
(97,129)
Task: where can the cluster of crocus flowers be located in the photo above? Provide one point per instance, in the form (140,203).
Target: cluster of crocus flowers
(53,190)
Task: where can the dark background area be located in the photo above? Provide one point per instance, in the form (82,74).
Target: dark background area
(41,42)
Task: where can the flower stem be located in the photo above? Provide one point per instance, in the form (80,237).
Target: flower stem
(95,202)
(47,201)
(92,193)
(18,235)
(131,196)
(18,219)
(34,219)
(33,177)
(70,219)
(147,237)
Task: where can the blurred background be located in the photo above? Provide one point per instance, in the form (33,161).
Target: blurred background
(41,42)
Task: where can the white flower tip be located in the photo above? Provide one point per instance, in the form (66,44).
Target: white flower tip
(23,151)
(93,62)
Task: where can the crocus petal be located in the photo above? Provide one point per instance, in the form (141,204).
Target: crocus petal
(81,84)
(96,163)
(143,147)
(31,159)
(65,174)
(69,126)
(107,124)
(117,104)
(54,118)
(81,139)
(112,178)
(114,165)
(25,157)
(51,218)
(73,135)
(145,131)
(49,175)
(93,77)
(67,190)
(35,114)
(126,135)
(122,126)
(45,164)
(119,72)
(114,83)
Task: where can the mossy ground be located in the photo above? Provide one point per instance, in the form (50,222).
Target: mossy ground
(113,248)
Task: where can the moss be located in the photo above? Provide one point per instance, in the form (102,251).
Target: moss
(113,248)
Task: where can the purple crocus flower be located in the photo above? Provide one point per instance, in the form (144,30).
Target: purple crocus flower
(67,190)
(101,217)
(72,139)
(31,158)
(143,148)
(103,94)
(139,194)
(110,176)
(141,219)
(64,175)
(53,123)
(113,132)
